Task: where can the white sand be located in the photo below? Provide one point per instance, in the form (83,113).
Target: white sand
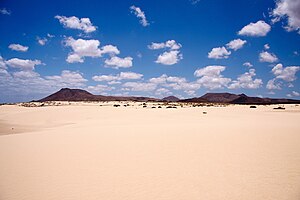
(89,152)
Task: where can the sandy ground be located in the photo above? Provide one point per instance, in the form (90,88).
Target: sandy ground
(87,151)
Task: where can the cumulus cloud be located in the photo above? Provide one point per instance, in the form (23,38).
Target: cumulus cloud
(4,11)
(29,85)
(273,85)
(139,86)
(289,10)
(258,29)
(266,46)
(117,62)
(236,44)
(118,77)
(172,44)
(169,57)
(99,89)
(219,53)
(73,22)
(110,49)
(246,81)
(87,48)
(44,40)
(295,94)
(140,14)
(176,83)
(41,41)
(18,47)
(210,77)
(23,64)
(285,73)
(247,64)
(68,78)
(267,57)
(163,92)
(2,63)
(82,48)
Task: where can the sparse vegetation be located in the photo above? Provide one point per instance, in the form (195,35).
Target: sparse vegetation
(279,108)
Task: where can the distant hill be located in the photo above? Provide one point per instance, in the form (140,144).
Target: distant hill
(237,99)
(220,97)
(67,94)
(171,99)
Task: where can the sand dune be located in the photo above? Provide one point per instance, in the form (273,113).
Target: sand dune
(87,151)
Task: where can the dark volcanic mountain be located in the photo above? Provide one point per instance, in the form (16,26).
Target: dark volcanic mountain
(67,94)
(237,99)
(171,99)
(220,97)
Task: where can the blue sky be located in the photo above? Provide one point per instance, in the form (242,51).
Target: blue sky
(150,48)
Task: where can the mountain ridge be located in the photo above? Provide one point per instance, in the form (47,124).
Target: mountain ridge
(67,94)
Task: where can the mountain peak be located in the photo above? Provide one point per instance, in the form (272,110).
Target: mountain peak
(171,98)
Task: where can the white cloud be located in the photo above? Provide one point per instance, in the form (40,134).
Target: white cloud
(4,11)
(296,94)
(118,77)
(267,57)
(257,29)
(213,70)
(139,86)
(18,47)
(194,2)
(266,46)
(211,78)
(247,64)
(163,92)
(110,49)
(68,78)
(2,63)
(246,81)
(219,53)
(288,9)
(98,89)
(272,85)
(23,64)
(41,41)
(130,75)
(117,62)
(82,48)
(114,82)
(50,36)
(287,74)
(87,48)
(29,85)
(172,44)
(73,22)
(169,57)
(236,44)
(140,14)
(105,78)
(176,83)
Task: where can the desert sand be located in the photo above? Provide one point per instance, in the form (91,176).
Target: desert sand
(88,151)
